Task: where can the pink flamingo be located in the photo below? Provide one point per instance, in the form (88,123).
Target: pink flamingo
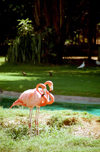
(48,93)
(31,98)
(50,100)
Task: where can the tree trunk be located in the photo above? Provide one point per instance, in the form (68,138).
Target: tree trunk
(91,29)
(53,16)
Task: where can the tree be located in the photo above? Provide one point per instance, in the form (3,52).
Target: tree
(54,20)
(51,14)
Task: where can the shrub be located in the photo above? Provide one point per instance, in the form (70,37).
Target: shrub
(26,46)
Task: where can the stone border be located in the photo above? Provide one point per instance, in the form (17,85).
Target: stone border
(77,99)
(59,98)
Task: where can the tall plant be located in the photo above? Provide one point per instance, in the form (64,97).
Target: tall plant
(25,27)
(27,45)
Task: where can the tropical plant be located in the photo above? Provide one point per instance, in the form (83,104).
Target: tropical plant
(25,27)
(26,47)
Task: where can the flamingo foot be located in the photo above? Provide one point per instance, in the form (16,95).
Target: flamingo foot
(36,127)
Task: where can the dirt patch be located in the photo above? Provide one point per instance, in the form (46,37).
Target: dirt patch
(70,121)
(88,128)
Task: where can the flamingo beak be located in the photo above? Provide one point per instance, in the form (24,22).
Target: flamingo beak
(51,88)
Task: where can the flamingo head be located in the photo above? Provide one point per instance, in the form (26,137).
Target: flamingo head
(50,84)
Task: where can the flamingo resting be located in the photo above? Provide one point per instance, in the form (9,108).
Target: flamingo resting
(35,97)
(31,98)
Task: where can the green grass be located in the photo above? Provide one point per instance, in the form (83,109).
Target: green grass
(56,134)
(68,80)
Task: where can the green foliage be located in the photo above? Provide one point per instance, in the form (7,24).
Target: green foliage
(27,46)
(31,46)
(25,27)
(20,8)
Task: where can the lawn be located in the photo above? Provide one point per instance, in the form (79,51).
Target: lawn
(60,131)
(67,79)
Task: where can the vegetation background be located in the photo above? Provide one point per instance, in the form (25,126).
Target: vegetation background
(61,28)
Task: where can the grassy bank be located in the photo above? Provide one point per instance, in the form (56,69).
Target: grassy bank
(60,131)
(68,80)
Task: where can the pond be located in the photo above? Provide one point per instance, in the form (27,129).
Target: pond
(94,109)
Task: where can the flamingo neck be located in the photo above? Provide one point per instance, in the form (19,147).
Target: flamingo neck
(51,97)
(46,83)
(37,89)
(50,85)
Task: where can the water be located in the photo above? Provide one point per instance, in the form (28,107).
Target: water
(90,108)
(94,109)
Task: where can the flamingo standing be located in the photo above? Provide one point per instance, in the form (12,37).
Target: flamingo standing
(50,100)
(31,98)
(49,95)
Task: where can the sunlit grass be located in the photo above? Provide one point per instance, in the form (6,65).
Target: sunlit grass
(68,80)
(2,60)
(56,132)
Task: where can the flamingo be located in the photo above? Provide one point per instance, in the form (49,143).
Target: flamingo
(50,100)
(49,95)
(31,98)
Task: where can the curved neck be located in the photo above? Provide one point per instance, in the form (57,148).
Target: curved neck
(42,86)
(51,98)
(46,83)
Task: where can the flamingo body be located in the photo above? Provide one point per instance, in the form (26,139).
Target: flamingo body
(28,98)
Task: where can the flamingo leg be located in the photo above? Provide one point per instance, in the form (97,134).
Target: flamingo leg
(30,122)
(36,120)
(38,110)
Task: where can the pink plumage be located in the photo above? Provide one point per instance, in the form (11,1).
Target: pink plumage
(31,97)
(35,97)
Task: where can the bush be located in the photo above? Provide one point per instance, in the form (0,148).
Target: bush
(26,46)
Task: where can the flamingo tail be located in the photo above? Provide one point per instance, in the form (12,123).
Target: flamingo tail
(16,103)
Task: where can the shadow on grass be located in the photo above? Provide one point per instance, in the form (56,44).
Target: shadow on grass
(22,85)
